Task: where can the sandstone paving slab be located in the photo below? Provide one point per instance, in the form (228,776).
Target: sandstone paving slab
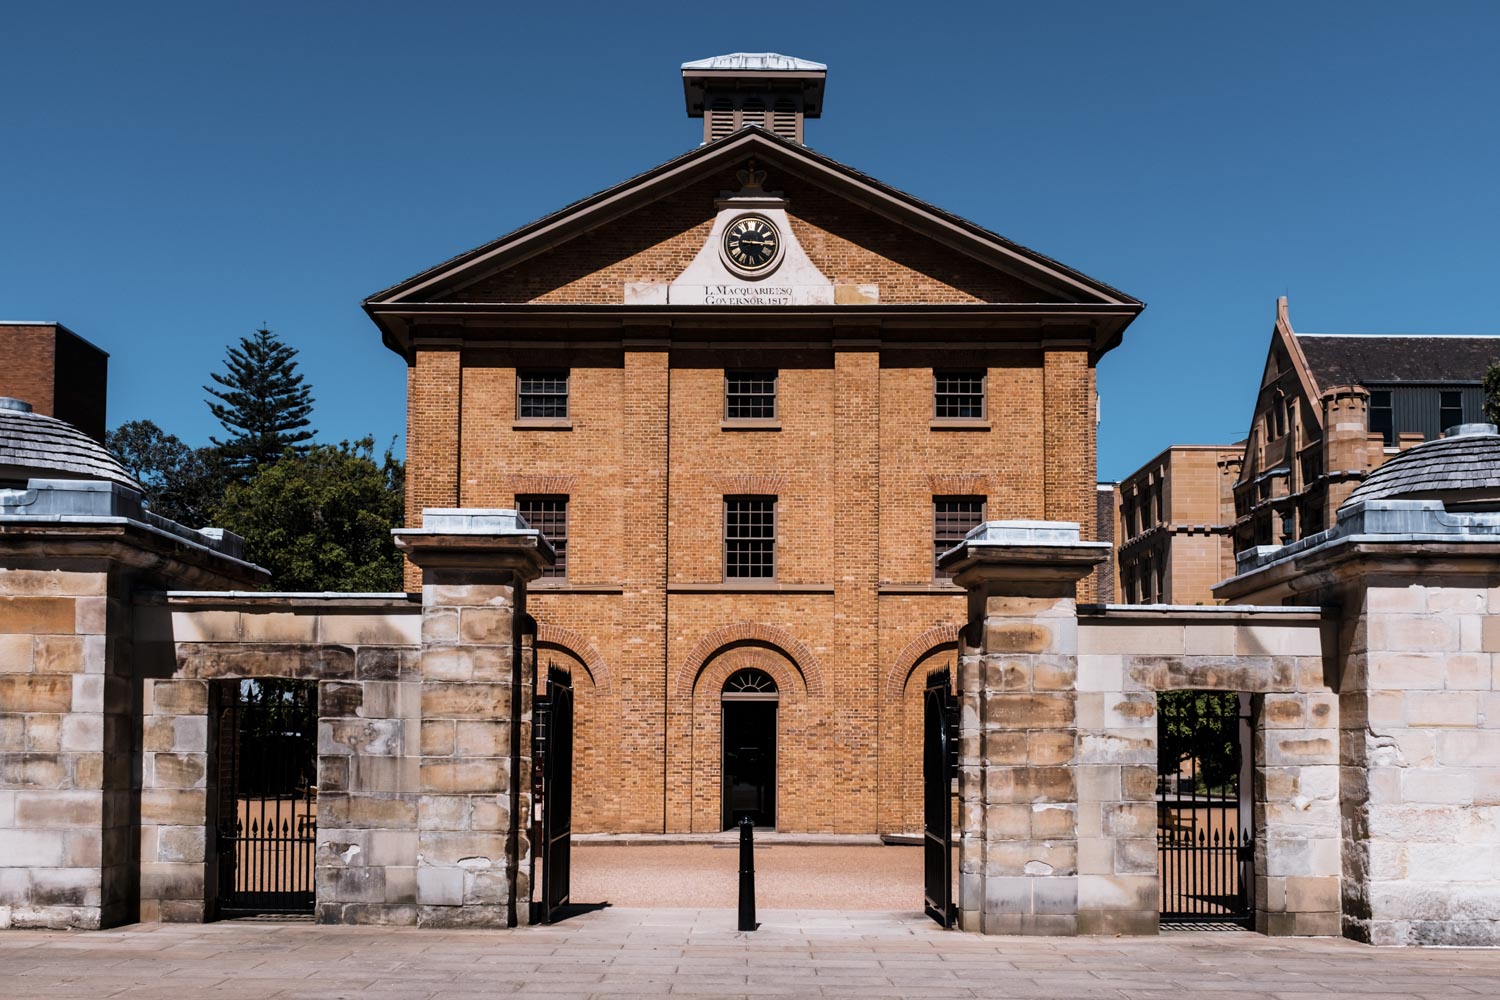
(696,952)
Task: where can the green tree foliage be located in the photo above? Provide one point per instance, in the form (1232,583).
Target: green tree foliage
(1201,725)
(1492,393)
(263,403)
(182,483)
(322,520)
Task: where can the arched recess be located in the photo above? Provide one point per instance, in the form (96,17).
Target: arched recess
(797,754)
(576,645)
(907,729)
(941,637)
(594,810)
(749,634)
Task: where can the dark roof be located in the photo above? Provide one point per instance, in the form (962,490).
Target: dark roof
(1357,360)
(797,149)
(1463,462)
(43,447)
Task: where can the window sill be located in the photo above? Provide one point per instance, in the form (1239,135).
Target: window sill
(747,424)
(750,587)
(542,424)
(936,587)
(956,424)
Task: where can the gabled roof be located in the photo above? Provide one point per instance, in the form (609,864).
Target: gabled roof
(587,213)
(1353,359)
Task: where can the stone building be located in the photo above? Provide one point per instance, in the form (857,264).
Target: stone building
(1172,516)
(693,427)
(1330,408)
(625,489)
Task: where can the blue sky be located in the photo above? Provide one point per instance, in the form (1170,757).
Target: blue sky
(175,175)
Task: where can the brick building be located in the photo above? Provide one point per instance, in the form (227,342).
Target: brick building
(56,371)
(694,433)
(1331,408)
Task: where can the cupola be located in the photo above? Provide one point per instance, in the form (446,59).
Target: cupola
(764,89)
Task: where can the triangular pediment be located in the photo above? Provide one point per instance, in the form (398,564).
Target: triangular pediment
(858,232)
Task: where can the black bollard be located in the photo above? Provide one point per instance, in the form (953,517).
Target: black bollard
(747,874)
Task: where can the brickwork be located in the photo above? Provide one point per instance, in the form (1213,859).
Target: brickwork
(29,372)
(847,242)
(59,373)
(433,388)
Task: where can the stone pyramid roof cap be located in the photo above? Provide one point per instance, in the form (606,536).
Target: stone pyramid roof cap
(33,445)
(1465,462)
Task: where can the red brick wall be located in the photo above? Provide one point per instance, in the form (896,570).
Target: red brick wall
(57,372)
(853,622)
(849,245)
(30,356)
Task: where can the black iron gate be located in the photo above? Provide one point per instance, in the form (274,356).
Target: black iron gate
(939,765)
(1205,843)
(554,752)
(266,744)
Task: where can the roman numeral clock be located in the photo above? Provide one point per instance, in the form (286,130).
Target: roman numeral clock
(751,246)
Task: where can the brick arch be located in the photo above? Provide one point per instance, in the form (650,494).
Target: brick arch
(749,633)
(579,646)
(912,653)
(725,663)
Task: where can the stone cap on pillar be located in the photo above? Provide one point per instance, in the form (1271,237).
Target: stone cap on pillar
(474,538)
(1023,550)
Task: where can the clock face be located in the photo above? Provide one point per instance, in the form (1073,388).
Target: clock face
(751,244)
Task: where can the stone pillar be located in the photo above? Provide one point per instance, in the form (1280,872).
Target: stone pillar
(79,824)
(1017,733)
(474,773)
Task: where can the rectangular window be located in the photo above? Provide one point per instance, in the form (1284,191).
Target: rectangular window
(749,538)
(549,515)
(1450,409)
(1381,421)
(542,395)
(958,395)
(952,517)
(749,395)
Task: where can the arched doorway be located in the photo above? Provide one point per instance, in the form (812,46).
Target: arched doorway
(750,699)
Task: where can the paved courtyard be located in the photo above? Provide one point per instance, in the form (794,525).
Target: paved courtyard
(787,875)
(682,952)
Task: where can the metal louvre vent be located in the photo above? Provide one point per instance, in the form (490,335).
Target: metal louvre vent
(720,118)
(784,119)
(753,112)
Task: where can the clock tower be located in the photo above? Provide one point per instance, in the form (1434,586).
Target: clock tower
(767,89)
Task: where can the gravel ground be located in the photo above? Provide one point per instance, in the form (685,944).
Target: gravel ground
(787,876)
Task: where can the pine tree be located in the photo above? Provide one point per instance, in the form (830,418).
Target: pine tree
(264,404)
